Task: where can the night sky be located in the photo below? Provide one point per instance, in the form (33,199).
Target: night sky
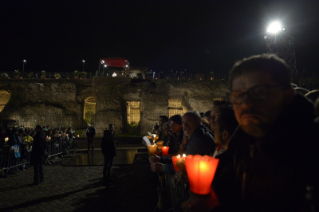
(195,35)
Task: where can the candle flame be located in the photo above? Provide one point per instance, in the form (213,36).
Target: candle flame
(178,156)
(184,155)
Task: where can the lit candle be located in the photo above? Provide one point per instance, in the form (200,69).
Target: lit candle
(78,136)
(6,139)
(174,160)
(165,150)
(152,149)
(67,135)
(200,172)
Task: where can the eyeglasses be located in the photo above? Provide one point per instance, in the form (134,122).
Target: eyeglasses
(257,93)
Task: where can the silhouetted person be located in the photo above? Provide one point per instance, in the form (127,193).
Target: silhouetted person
(108,150)
(37,155)
(90,133)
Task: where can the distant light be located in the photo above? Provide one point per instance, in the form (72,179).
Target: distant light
(274,27)
(24,61)
(83,61)
(114,74)
(102,62)
(105,65)
(126,66)
(283,29)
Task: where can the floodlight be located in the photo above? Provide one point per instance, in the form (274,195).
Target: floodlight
(274,27)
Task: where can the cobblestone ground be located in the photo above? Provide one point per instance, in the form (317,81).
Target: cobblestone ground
(79,188)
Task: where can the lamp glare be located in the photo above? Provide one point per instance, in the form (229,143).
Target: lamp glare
(274,27)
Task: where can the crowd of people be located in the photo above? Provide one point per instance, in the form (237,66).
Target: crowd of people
(266,137)
(20,147)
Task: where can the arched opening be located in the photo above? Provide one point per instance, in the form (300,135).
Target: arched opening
(4,99)
(175,107)
(89,110)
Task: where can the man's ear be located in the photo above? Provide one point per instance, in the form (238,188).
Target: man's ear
(225,135)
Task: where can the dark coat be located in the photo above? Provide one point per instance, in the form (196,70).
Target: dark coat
(90,132)
(174,142)
(271,174)
(201,142)
(38,149)
(107,144)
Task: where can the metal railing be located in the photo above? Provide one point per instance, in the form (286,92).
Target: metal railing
(176,193)
(54,147)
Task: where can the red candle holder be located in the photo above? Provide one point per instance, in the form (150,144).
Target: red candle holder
(165,150)
(175,159)
(200,171)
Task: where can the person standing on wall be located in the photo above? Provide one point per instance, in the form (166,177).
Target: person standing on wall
(90,133)
(108,150)
(37,155)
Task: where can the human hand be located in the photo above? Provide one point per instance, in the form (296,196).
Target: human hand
(157,167)
(154,159)
(200,203)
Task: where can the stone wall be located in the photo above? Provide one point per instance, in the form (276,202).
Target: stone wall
(61,102)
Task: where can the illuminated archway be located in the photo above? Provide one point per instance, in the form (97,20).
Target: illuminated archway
(4,99)
(89,110)
(175,107)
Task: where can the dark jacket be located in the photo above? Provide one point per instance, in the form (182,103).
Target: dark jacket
(107,144)
(201,142)
(38,149)
(90,132)
(174,142)
(271,174)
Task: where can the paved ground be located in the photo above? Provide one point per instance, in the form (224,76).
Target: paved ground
(79,188)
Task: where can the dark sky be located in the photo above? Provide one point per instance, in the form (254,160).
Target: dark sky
(163,35)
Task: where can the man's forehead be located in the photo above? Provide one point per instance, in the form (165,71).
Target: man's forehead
(249,80)
(188,116)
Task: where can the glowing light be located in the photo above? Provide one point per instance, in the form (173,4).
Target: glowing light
(200,171)
(102,62)
(126,66)
(274,27)
(83,61)
(114,74)
(105,65)
(24,61)
(165,150)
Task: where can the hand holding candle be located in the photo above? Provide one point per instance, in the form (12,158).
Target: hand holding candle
(200,172)
(152,149)
(175,159)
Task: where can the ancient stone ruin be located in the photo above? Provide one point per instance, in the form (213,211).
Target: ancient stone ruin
(131,106)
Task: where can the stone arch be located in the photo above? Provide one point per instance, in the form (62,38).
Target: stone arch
(89,109)
(4,99)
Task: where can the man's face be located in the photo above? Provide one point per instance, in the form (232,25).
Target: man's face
(111,128)
(161,122)
(175,128)
(213,116)
(190,124)
(256,117)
